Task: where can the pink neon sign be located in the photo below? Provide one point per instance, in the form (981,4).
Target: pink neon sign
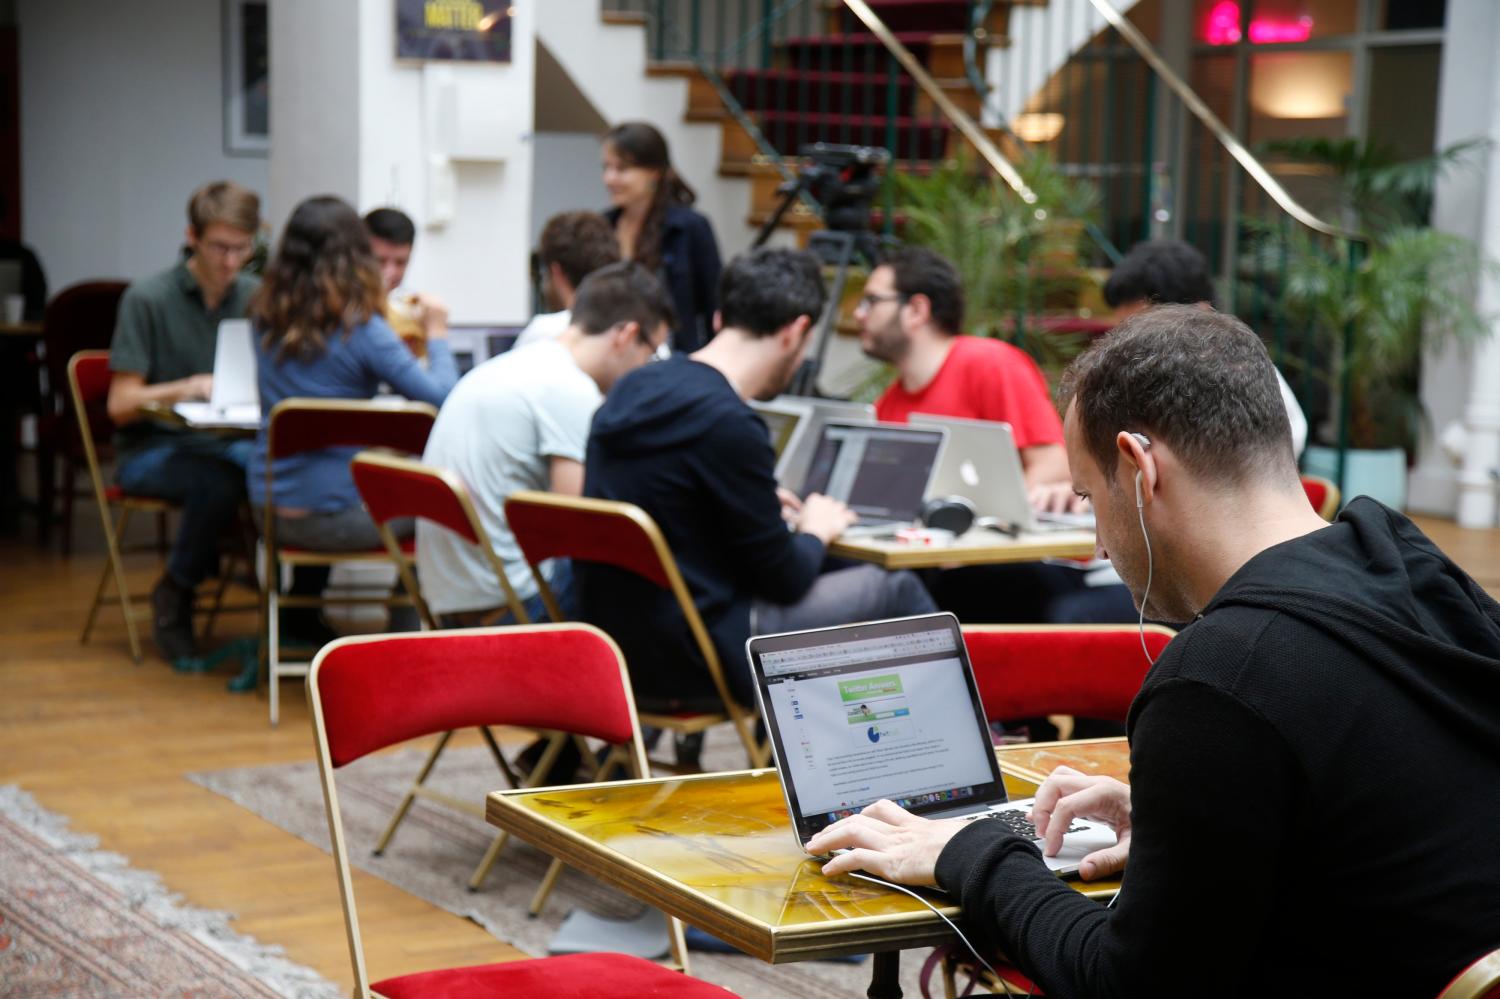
(1222,27)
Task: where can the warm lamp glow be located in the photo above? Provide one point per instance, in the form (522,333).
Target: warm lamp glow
(1300,84)
(1222,27)
(1038,126)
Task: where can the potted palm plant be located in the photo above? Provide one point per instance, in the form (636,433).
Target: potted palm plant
(1375,307)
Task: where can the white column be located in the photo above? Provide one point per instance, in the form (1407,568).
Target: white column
(1476,481)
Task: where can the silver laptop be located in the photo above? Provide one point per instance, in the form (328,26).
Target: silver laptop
(235,399)
(881,470)
(786,423)
(982,464)
(888,709)
(794,461)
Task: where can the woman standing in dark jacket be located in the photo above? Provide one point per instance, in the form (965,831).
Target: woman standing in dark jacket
(658,230)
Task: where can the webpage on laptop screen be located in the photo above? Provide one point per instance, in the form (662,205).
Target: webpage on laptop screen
(876,718)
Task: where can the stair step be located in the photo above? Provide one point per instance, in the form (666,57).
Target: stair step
(941,52)
(916,15)
(832,91)
(915,138)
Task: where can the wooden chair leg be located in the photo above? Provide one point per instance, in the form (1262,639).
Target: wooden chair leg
(411,793)
(679,945)
(500,760)
(545,888)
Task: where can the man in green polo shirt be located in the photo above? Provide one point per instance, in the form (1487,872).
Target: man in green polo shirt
(163,352)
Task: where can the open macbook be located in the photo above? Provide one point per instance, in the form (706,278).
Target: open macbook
(235,400)
(888,709)
(792,463)
(786,422)
(981,464)
(881,470)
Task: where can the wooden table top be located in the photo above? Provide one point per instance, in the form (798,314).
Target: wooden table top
(717,851)
(977,547)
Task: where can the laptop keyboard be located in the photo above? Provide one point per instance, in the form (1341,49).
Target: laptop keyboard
(1015,820)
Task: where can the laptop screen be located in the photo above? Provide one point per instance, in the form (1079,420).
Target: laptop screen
(881,472)
(780,424)
(887,709)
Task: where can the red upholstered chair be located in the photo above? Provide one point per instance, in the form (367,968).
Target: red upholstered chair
(1480,980)
(1029,671)
(622,535)
(88,377)
(300,425)
(80,317)
(1322,494)
(370,692)
(393,488)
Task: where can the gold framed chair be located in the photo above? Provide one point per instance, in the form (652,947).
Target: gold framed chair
(368,692)
(547,526)
(89,378)
(1323,495)
(1480,980)
(299,425)
(393,488)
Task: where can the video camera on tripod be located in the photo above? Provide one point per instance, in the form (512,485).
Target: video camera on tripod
(844,181)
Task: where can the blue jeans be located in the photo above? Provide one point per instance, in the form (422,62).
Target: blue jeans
(205,477)
(561,581)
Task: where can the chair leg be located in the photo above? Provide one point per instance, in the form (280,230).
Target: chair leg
(219,591)
(488,860)
(273,652)
(114,565)
(545,888)
(500,760)
(411,793)
(679,949)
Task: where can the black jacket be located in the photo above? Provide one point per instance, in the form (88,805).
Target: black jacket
(1315,791)
(690,270)
(676,440)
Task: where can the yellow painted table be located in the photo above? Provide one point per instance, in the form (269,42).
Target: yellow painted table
(977,547)
(717,851)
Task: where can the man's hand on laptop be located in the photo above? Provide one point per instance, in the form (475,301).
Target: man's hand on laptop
(825,518)
(1056,497)
(791,505)
(887,841)
(1067,795)
(197,387)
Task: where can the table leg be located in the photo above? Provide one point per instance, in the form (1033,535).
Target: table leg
(886,982)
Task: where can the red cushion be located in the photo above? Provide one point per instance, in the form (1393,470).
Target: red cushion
(1094,673)
(576,976)
(114,494)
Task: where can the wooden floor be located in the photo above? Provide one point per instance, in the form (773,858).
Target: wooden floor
(106,743)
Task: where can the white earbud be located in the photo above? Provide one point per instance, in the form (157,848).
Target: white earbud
(1140,501)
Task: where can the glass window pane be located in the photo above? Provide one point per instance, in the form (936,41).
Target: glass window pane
(1403,98)
(1269,22)
(1402,15)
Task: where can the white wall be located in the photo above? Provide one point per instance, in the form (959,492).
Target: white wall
(1467,79)
(567,177)
(121,118)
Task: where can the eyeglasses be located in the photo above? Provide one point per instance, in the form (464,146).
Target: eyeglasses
(869,300)
(227,251)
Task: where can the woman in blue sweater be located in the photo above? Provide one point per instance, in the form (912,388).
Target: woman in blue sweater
(319,333)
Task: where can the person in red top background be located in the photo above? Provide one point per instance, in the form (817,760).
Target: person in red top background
(910,317)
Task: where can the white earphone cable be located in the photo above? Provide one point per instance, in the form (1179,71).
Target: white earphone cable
(1140,510)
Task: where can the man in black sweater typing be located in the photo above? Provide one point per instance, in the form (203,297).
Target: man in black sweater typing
(1315,758)
(678,440)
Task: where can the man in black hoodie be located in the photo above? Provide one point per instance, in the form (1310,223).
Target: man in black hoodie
(1315,758)
(678,440)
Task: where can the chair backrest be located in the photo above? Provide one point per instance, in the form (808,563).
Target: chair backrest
(393,488)
(88,378)
(1029,671)
(1322,494)
(622,535)
(80,317)
(299,425)
(374,691)
(1480,980)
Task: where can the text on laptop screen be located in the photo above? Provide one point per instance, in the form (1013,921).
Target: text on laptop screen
(886,717)
(880,472)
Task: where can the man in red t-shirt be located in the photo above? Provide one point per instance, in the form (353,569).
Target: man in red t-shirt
(910,317)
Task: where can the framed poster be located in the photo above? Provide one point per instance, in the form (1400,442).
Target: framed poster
(247,78)
(463,30)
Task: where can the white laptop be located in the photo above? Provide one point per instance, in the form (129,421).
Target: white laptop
(888,709)
(235,399)
(981,464)
(881,470)
(792,466)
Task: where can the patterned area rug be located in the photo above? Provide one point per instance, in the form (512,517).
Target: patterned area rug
(436,849)
(79,923)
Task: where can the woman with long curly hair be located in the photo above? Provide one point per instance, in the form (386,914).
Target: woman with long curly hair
(319,333)
(659,230)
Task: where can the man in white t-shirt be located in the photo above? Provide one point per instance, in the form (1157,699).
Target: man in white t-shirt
(572,245)
(521,421)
